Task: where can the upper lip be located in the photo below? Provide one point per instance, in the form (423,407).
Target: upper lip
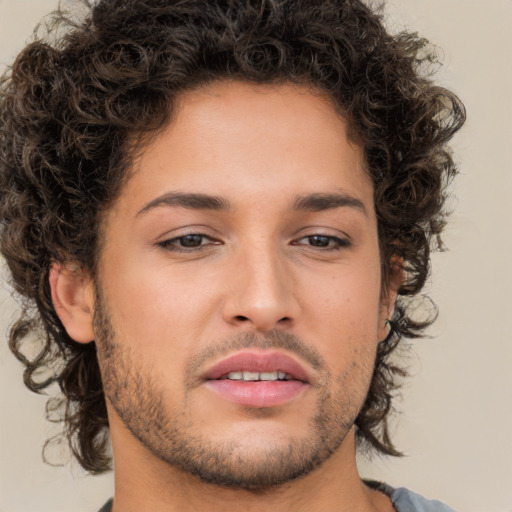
(257,361)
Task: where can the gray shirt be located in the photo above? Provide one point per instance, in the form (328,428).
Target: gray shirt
(407,501)
(403,500)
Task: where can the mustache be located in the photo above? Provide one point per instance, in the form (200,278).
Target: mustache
(275,339)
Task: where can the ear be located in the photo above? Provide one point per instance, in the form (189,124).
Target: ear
(73,300)
(389,295)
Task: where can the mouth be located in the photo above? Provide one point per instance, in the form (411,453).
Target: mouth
(248,376)
(257,379)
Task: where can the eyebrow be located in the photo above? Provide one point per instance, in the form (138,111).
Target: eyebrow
(196,201)
(187,200)
(321,202)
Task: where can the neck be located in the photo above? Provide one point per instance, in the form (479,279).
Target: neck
(144,482)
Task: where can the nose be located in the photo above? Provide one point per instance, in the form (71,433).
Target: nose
(261,291)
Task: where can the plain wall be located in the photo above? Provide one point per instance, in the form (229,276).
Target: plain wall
(456,412)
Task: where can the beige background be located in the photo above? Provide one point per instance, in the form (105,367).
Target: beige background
(456,420)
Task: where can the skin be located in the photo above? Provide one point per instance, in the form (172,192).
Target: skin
(162,314)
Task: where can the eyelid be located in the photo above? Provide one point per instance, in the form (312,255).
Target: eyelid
(320,230)
(339,241)
(187,230)
(170,243)
(170,240)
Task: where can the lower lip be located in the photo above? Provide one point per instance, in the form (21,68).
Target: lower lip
(257,393)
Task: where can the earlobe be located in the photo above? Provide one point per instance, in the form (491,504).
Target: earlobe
(384,322)
(73,300)
(389,298)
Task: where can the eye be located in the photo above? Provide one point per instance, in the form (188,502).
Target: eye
(323,242)
(187,243)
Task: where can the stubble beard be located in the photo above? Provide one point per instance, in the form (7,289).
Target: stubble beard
(138,400)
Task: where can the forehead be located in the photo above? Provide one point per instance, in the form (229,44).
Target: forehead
(251,139)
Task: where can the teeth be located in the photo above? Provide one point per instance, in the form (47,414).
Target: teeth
(253,376)
(268,376)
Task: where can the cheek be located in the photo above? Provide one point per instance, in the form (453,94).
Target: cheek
(160,308)
(344,312)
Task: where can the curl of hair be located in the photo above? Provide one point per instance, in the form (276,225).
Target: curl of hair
(72,107)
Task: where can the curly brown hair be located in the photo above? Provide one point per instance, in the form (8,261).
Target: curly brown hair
(73,105)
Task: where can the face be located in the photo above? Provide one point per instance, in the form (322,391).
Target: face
(239,304)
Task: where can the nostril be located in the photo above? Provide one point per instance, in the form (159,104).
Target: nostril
(241,318)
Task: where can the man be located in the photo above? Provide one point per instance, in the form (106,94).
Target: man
(217,209)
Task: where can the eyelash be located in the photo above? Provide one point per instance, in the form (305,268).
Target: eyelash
(336,243)
(171,243)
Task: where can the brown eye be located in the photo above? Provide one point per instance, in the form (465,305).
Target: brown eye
(319,241)
(323,242)
(191,240)
(187,243)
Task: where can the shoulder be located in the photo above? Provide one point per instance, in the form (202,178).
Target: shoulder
(407,501)
(107,507)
